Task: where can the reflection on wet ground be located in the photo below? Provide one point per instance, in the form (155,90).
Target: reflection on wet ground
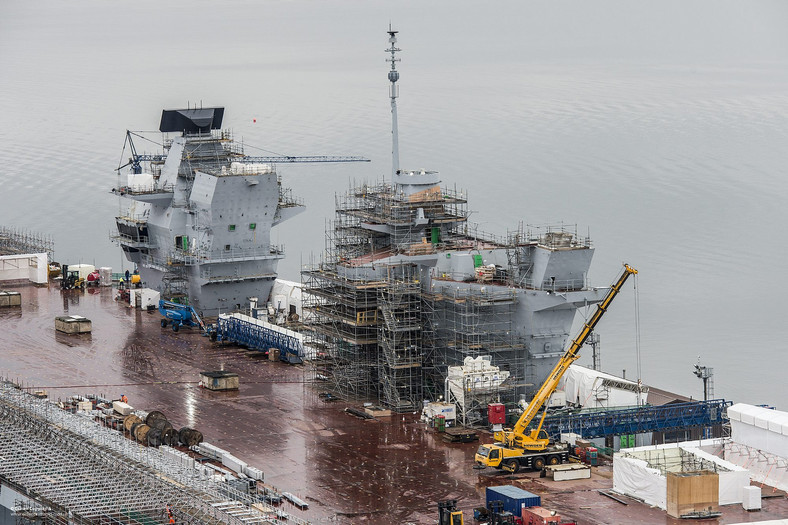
(348,469)
(390,470)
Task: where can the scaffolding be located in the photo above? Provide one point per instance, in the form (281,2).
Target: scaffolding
(370,338)
(373,221)
(477,321)
(14,241)
(387,327)
(68,468)
(401,350)
(344,326)
(677,460)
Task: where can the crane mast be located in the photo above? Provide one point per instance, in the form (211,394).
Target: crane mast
(517,437)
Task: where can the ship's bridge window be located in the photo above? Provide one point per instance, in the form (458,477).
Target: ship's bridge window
(252,225)
(231,227)
(227,247)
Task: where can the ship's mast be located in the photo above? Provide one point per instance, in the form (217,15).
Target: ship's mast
(393,94)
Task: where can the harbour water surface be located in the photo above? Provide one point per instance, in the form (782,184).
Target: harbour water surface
(658,129)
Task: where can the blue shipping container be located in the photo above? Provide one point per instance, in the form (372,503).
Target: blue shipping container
(513,498)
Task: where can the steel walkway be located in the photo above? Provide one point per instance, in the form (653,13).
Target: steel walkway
(256,334)
(640,419)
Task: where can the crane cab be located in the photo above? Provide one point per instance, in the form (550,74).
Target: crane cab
(488,455)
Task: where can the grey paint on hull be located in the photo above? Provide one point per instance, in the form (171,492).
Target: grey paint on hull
(209,217)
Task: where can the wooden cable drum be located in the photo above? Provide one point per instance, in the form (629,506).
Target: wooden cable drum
(141,433)
(129,420)
(154,416)
(189,436)
(154,437)
(161,424)
(169,437)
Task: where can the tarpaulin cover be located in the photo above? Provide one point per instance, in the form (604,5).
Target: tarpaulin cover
(760,428)
(732,477)
(634,477)
(584,386)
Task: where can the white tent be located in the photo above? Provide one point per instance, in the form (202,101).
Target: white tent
(642,471)
(759,442)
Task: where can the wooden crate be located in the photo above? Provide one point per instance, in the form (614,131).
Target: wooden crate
(693,494)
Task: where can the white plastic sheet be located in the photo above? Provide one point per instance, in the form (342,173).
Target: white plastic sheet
(634,477)
(732,477)
(584,386)
(760,428)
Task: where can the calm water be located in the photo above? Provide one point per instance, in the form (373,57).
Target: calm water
(660,129)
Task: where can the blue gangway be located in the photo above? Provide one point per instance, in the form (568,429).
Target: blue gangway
(260,335)
(639,419)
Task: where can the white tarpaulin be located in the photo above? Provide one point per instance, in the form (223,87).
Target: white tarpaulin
(32,266)
(593,389)
(634,477)
(672,457)
(287,294)
(732,477)
(760,428)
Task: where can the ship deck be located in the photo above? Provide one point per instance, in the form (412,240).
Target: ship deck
(390,469)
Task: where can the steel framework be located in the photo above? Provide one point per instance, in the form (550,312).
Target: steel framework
(14,241)
(640,419)
(74,470)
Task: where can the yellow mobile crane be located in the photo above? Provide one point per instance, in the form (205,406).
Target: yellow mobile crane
(517,447)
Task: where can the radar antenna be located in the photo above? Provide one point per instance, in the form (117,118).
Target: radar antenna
(707,375)
(393,94)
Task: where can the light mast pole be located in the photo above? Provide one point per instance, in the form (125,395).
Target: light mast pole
(393,94)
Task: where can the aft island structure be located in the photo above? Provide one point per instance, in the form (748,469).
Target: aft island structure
(410,303)
(196,220)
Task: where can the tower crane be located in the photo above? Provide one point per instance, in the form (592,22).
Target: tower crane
(136,159)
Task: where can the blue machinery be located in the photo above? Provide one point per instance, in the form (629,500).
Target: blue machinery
(179,314)
(640,419)
(259,335)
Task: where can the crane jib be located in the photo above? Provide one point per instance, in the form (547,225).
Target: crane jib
(532,441)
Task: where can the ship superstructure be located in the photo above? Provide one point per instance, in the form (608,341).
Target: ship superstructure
(408,288)
(197,220)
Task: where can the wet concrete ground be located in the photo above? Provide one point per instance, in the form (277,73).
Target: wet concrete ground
(390,470)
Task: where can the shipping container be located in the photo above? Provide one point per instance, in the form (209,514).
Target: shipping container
(514,498)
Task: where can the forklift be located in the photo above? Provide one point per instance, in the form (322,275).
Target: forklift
(448,513)
(71,279)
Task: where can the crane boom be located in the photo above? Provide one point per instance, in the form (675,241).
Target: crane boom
(569,357)
(272,159)
(136,160)
(515,448)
